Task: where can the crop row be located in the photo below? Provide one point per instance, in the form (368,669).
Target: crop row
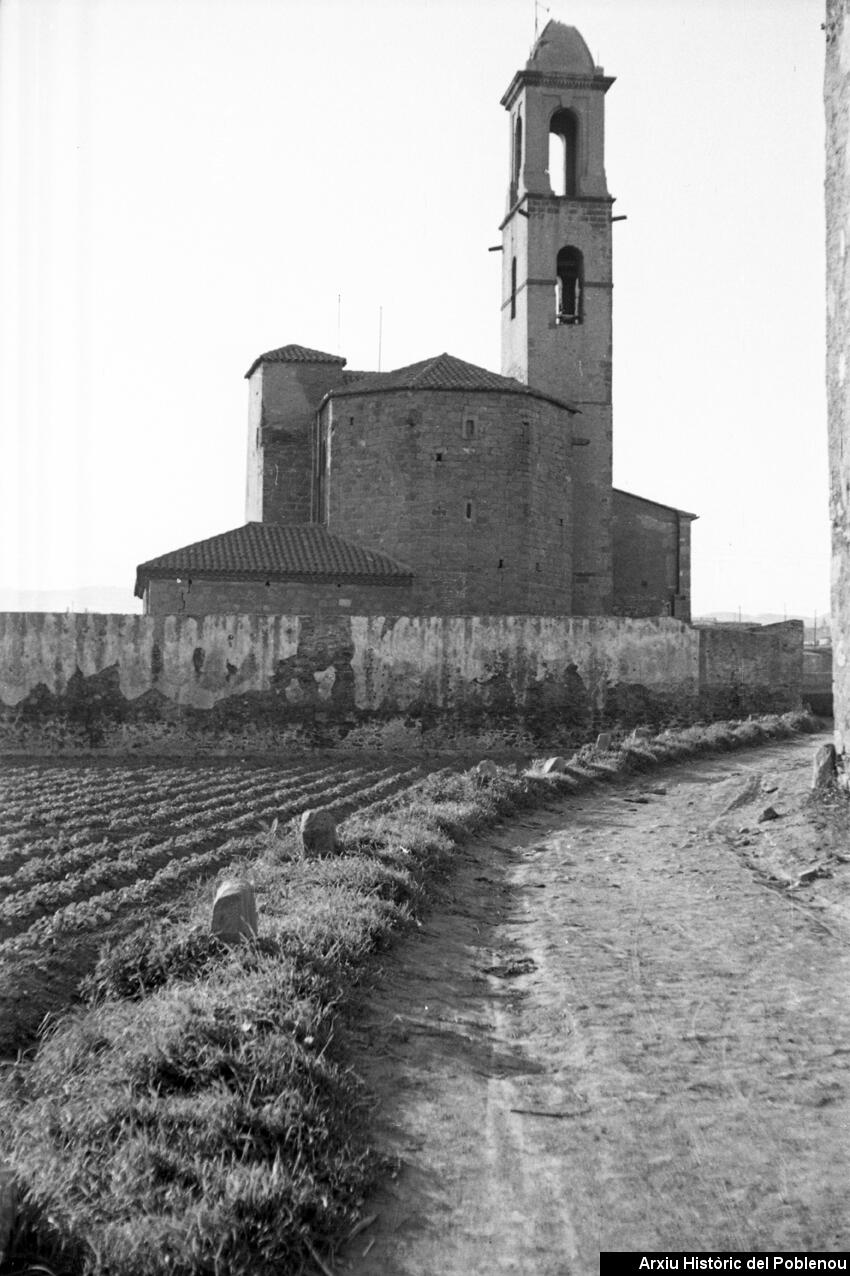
(131,812)
(54,806)
(69,778)
(123,814)
(46,885)
(218,813)
(47,859)
(194,811)
(96,911)
(99,911)
(87,786)
(19,909)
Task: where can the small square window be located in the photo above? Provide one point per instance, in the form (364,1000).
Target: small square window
(438,456)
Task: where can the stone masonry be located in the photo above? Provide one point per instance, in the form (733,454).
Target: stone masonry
(475,494)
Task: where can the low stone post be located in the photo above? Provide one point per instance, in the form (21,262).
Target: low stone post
(486,767)
(603,742)
(318,833)
(824,766)
(235,911)
(554,764)
(641,733)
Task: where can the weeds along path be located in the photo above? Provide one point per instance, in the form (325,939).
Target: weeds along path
(620,1029)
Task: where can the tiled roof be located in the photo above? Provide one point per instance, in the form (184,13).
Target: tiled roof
(275,551)
(350,375)
(294,354)
(443,372)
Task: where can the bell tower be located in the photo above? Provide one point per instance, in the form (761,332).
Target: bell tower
(556,296)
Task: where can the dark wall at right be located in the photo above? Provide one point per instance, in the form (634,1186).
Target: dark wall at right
(652,558)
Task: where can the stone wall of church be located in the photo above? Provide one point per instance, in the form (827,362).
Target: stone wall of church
(652,558)
(283,398)
(837,103)
(200,597)
(471,491)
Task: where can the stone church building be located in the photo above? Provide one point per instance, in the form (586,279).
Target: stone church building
(442,487)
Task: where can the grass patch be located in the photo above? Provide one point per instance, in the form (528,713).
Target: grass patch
(194,1116)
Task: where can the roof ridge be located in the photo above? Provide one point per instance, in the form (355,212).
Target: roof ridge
(276,550)
(444,371)
(294,353)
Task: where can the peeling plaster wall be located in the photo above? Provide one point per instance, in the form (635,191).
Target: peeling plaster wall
(578,666)
(254,682)
(746,665)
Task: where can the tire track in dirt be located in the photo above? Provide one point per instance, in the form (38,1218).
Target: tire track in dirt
(610,1035)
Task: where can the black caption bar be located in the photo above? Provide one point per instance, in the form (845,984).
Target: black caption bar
(638,1262)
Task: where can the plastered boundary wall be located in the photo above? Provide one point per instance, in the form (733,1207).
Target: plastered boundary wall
(251,682)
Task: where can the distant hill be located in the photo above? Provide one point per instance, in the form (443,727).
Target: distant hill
(100,598)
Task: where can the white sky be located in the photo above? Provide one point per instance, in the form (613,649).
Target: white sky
(187,183)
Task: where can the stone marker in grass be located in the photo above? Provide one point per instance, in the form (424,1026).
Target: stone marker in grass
(554,764)
(824,766)
(603,742)
(487,768)
(235,911)
(641,733)
(318,833)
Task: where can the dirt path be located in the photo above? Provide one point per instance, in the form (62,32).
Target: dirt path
(620,1030)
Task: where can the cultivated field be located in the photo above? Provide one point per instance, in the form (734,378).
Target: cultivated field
(91,850)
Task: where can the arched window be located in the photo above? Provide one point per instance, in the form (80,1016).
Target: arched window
(569,286)
(563,153)
(517,149)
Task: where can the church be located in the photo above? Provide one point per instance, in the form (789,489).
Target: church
(443,488)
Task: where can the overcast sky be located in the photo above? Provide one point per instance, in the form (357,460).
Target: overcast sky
(187,183)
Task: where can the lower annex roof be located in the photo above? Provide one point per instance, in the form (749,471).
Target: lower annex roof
(276,551)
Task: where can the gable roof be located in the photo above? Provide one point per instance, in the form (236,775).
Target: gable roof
(294,354)
(276,551)
(645,500)
(444,372)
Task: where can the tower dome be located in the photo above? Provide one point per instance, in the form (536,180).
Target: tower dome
(561,48)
